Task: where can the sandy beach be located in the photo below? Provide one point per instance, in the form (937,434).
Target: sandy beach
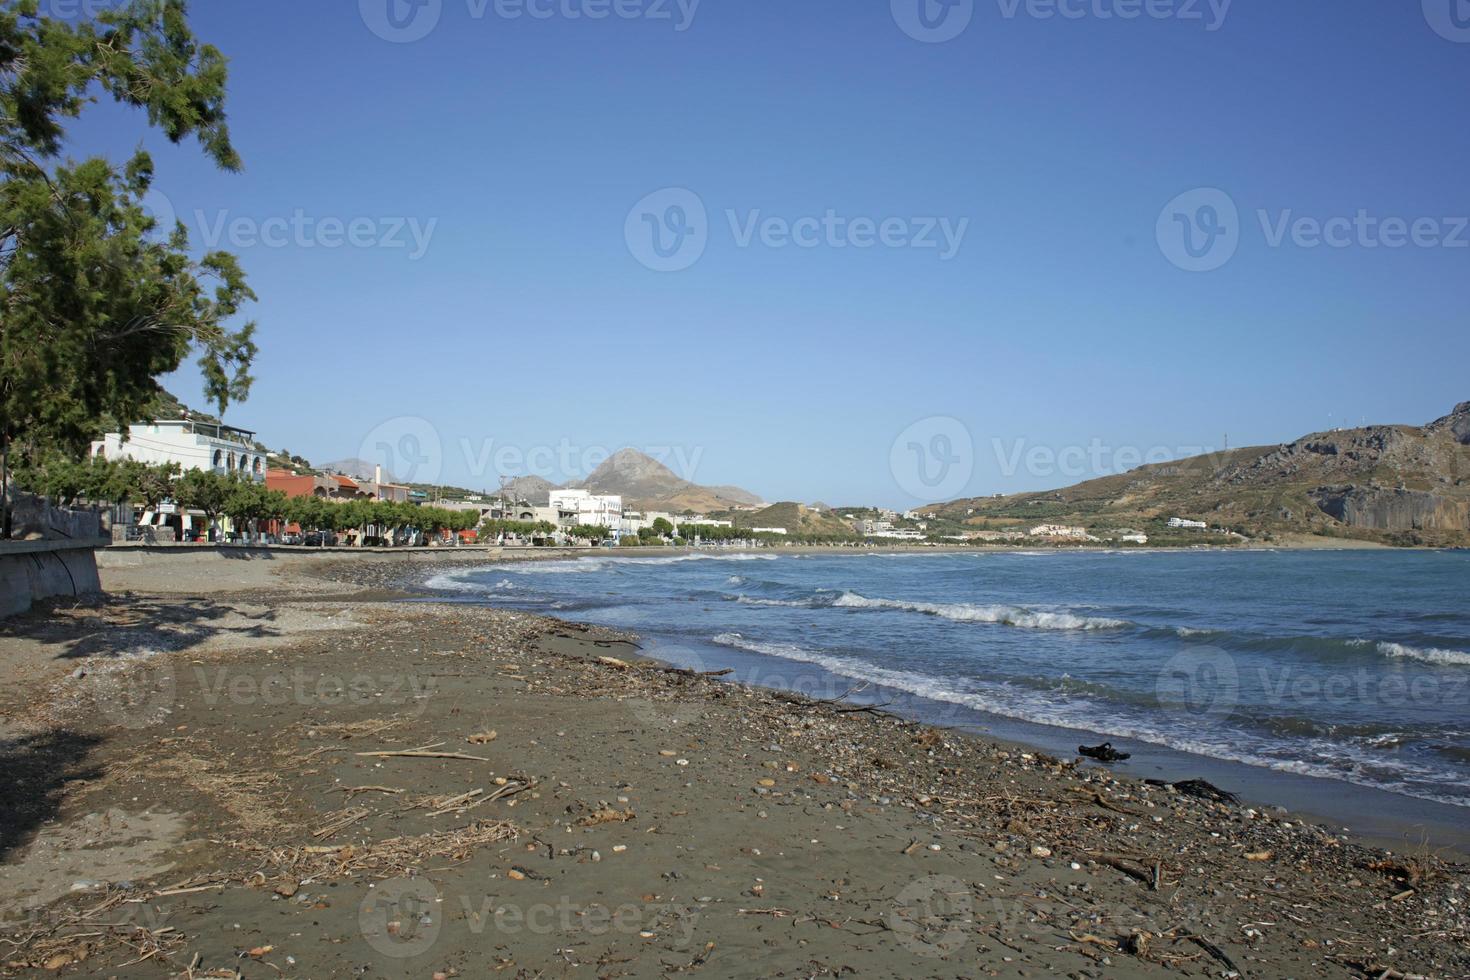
(265,767)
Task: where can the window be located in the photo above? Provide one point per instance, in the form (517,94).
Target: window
(219,458)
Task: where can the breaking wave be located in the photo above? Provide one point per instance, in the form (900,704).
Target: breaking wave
(1428,655)
(965,613)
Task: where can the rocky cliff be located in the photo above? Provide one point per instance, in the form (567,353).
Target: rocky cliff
(1400,484)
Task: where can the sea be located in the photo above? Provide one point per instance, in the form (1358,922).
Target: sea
(1333,682)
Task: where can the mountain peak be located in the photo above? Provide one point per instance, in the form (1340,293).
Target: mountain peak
(1458,422)
(632,465)
(644,482)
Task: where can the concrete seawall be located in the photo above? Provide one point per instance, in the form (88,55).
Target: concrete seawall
(35,570)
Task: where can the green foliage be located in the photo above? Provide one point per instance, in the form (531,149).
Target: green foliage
(205,491)
(150,485)
(525,530)
(99,301)
(250,501)
(663,528)
(65,480)
(591,532)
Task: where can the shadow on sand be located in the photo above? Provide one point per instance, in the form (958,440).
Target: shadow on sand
(36,770)
(128,626)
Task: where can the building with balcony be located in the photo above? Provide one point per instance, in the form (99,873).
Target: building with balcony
(583,507)
(192,444)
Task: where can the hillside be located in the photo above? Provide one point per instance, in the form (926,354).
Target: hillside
(798,520)
(646,484)
(357,469)
(1395,484)
(534,490)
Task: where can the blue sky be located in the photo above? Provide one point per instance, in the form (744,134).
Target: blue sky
(1061,336)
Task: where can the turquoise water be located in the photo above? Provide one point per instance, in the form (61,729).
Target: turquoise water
(1350,666)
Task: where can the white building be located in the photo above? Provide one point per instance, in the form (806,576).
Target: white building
(575,507)
(769,530)
(684,522)
(1061,531)
(193,445)
(1187,525)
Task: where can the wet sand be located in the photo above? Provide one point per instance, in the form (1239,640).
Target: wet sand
(199,785)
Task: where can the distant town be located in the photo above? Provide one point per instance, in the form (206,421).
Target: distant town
(556,516)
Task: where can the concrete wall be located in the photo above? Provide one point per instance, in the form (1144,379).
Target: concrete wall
(33,518)
(35,570)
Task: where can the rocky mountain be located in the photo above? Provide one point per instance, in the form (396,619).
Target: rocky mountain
(1396,484)
(534,490)
(646,484)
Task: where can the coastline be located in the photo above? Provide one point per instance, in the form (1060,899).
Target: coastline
(1371,816)
(795,834)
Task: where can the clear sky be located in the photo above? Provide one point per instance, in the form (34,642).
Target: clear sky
(1073,311)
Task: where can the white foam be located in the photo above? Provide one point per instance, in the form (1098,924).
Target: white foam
(920,684)
(964,613)
(1428,655)
(602,562)
(1344,762)
(452,582)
